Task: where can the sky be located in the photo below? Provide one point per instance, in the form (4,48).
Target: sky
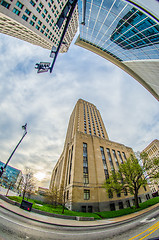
(45,102)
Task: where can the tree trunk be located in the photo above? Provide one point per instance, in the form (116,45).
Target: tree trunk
(24,191)
(136,200)
(8,189)
(63,208)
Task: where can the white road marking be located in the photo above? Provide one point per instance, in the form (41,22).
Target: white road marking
(147,220)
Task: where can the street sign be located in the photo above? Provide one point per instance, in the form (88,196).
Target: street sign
(26,205)
(42,67)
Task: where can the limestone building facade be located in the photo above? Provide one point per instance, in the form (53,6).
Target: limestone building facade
(87,158)
(35,21)
(153,151)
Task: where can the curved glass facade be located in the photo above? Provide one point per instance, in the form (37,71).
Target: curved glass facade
(120,29)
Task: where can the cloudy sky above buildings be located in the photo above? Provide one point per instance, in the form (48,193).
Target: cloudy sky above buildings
(45,101)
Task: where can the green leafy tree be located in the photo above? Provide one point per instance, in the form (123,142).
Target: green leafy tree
(131,176)
(150,166)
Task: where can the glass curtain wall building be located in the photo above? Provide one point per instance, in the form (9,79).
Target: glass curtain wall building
(10,177)
(124,33)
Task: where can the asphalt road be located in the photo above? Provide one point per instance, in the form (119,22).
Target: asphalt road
(14,227)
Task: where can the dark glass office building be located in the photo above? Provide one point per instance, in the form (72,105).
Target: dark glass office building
(10,175)
(144,33)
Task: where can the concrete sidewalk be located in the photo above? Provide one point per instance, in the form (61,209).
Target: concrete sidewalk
(75,223)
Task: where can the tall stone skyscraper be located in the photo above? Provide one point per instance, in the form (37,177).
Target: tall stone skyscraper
(87,158)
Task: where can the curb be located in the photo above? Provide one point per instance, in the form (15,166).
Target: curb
(118,222)
(84,226)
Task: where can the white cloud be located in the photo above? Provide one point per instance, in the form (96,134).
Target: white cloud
(45,102)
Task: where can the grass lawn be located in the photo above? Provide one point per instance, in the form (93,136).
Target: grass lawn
(98,215)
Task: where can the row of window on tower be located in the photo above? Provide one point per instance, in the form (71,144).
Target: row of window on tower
(106,172)
(92,112)
(38,24)
(110,160)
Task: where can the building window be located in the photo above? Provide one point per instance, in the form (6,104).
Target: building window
(124,155)
(43,15)
(121,205)
(85,177)
(39,22)
(38,9)
(86,194)
(90,209)
(104,163)
(118,194)
(120,156)
(125,192)
(67,195)
(83,209)
(5,4)
(147,196)
(45,11)
(110,194)
(27,12)
(41,5)
(112,207)
(19,4)
(115,158)
(47,20)
(110,159)
(16,11)
(145,188)
(32,3)
(37,27)
(85,164)
(139,198)
(31,23)
(42,31)
(25,18)
(69,180)
(44,26)
(84,111)
(34,17)
(128,203)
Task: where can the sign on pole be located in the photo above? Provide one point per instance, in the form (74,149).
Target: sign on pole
(42,67)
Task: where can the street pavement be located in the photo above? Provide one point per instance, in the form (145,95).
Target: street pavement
(68,222)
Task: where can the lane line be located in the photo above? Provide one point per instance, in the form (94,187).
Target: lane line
(149,229)
(149,234)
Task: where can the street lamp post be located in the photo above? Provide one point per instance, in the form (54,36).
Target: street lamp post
(2,169)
